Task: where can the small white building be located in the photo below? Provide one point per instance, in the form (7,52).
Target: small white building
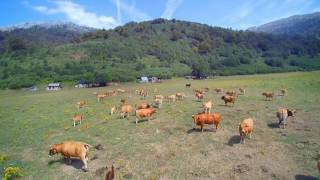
(53,87)
(144,79)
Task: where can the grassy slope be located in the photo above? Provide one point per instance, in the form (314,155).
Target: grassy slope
(166,146)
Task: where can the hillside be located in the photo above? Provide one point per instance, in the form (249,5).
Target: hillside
(155,48)
(306,25)
(36,34)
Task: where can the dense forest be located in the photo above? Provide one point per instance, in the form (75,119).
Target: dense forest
(163,48)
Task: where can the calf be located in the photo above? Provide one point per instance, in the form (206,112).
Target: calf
(77,118)
(207,106)
(242,91)
(268,95)
(142,113)
(283,114)
(180,96)
(157,102)
(245,129)
(228,99)
(72,149)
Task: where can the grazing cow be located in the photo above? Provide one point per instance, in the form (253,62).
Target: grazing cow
(142,113)
(180,96)
(81,104)
(199,96)
(101,96)
(123,101)
(283,92)
(111,93)
(142,105)
(72,149)
(170,98)
(268,95)
(113,110)
(126,110)
(245,129)
(121,91)
(199,91)
(283,114)
(218,90)
(157,102)
(110,174)
(242,91)
(201,119)
(77,118)
(188,85)
(231,93)
(158,97)
(207,106)
(228,99)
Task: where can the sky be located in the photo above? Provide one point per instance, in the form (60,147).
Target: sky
(235,14)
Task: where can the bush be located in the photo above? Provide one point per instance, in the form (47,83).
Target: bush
(11,172)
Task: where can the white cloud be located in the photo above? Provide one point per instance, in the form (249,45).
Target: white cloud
(134,13)
(77,14)
(171,7)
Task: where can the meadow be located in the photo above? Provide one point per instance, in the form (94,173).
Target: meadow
(168,146)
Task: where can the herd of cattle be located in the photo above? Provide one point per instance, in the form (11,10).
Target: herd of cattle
(146,110)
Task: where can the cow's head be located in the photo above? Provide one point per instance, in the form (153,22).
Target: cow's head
(291,112)
(53,150)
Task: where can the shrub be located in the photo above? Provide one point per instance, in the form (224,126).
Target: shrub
(11,172)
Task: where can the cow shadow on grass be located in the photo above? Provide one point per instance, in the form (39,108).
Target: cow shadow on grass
(304,177)
(192,130)
(273,125)
(76,163)
(234,140)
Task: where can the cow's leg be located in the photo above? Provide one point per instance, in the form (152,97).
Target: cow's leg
(136,120)
(84,160)
(74,123)
(250,135)
(201,127)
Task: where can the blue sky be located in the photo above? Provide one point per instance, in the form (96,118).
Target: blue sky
(236,14)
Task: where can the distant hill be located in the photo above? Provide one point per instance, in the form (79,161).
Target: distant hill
(305,25)
(42,33)
(163,48)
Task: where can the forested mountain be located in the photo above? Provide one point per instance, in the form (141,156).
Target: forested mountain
(304,25)
(154,48)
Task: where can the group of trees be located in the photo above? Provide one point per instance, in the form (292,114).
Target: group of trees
(155,48)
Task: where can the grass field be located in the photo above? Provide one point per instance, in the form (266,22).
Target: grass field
(167,147)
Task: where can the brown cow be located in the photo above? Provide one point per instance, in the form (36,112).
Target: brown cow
(199,96)
(77,118)
(201,119)
(142,113)
(283,114)
(72,149)
(157,102)
(170,98)
(126,110)
(81,104)
(218,90)
(142,105)
(228,99)
(242,91)
(245,129)
(268,95)
(180,96)
(101,96)
(231,93)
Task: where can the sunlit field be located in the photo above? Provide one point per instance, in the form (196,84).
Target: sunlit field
(167,146)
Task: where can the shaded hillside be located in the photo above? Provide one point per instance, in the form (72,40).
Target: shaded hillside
(158,48)
(306,25)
